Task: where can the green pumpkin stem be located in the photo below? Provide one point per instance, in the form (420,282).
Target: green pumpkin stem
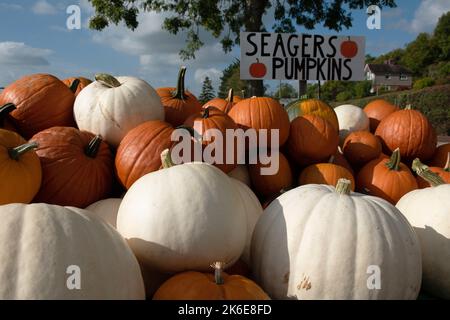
(166,159)
(218,268)
(107,80)
(344,186)
(94,146)
(5,110)
(179,92)
(15,153)
(394,161)
(74,85)
(425,173)
(447,164)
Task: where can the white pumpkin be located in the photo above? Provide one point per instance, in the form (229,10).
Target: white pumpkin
(184,218)
(106,209)
(113,106)
(241,173)
(351,118)
(428,211)
(253,210)
(48,252)
(318,242)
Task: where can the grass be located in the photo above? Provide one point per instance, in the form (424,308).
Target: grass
(434,102)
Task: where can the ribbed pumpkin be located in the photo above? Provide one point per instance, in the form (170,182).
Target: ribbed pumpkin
(80,84)
(224,105)
(5,117)
(193,285)
(312,106)
(439,158)
(351,118)
(386,178)
(410,131)
(42,101)
(237,99)
(213,118)
(77,167)
(140,150)
(311,139)
(262,113)
(377,110)
(268,184)
(178,103)
(339,159)
(325,173)
(360,147)
(444,172)
(20,169)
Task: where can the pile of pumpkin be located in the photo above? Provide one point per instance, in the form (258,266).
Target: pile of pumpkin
(88,184)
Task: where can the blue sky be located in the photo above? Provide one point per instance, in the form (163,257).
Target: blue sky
(34,38)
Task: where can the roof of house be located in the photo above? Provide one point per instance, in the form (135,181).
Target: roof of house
(387,68)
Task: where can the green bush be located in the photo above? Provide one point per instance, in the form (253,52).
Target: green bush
(344,95)
(423,83)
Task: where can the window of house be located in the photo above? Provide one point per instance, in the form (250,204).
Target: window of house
(403,77)
(387,75)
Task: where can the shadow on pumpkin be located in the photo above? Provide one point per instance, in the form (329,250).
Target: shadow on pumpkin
(438,246)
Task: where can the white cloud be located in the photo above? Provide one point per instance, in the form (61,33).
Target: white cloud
(10,6)
(18,53)
(428,13)
(42,7)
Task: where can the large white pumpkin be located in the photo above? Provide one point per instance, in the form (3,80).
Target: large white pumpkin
(184,218)
(113,106)
(313,242)
(351,118)
(42,246)
(106,209)
(428,211)
(253,210)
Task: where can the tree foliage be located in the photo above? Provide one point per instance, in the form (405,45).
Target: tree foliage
(285,90)
(207,91)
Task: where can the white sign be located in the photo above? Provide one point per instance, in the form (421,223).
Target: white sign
(287,56)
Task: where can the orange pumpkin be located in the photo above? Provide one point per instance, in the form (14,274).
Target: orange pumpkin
(20,169)
(222,104)
(339,159)
(311,139)
(213,118)
(386,178)
(360,147)
(410,131)
(76,84)
(262,113)
(5,118)
(237,99)
(377,110)
(439,158)
(444,172)
(139,151)
(325,173)
(42,101)
(192,285)
(313,106)
(77,167)
(266,185)
(178,103)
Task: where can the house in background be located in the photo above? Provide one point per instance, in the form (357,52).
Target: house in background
(388,75)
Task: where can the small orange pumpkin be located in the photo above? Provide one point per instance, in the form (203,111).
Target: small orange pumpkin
(360,147)
(325,173)
(386,178)
(439,158)
(313,106)
(20,169)
(312,139)
(444,172)
(178,103)
(377,110)
(192,285)
(5,118)
(339,159)
(223,105)
(76,84)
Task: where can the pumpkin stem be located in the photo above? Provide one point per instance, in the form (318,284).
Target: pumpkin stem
(74,85)
(408,107)
(93,146)
(15,153)
(343,186)
(218,268)
(5,110)
(425,173)
(394,161)
(206,113)
(230,100)
(179,93)
(166,159)
(107,80)
(447,164)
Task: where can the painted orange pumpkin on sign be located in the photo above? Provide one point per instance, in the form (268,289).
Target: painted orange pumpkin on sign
(349,48)
(258,69)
